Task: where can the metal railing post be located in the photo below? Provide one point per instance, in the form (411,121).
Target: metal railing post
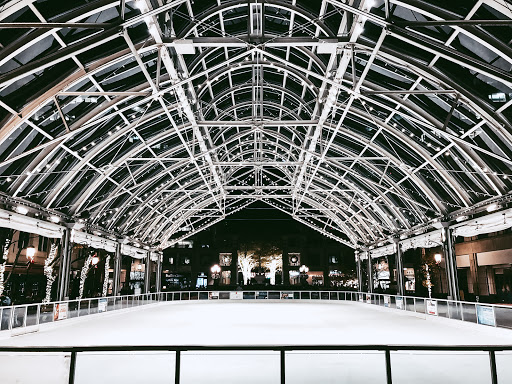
(177,367)
(283,367)
(389,379)
(72,366)
(11,319)
(494,373)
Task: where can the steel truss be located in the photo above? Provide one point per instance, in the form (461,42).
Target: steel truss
(157,119)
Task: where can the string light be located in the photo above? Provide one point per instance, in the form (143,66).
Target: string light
(105,281)
(48,272)
(2,266)
(83,275)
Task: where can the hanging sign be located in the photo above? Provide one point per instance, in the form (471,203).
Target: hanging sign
(386,301)
(235,295)
(432,307)
(485,315)
(399,302)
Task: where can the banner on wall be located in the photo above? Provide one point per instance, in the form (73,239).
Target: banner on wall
(432,307)
(286,295)
(485,315)
(236,295)
(61,311)
(386,301)
(102,305)
(368,299)
(262,295)
(213,296)
(399,302)
(361,297)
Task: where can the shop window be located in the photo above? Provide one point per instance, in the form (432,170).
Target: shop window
(23,239)
(42,244)
(294,259)
(186,261)
(225,259)
(225,278)
(202,281)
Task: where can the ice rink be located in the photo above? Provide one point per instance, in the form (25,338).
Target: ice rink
(259,323)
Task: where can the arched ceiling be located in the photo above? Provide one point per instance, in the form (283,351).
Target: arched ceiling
(154,119)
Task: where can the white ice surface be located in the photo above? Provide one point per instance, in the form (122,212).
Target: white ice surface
(259,323)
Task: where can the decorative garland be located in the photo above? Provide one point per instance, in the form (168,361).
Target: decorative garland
(2,266)
(105,281)
(48,272)
(246,264)
(83,275)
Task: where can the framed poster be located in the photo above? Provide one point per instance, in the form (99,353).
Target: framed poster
(213,296)
(61,311)
(102,305)
(261,295)
(399,302)
(485,315)
(432,307)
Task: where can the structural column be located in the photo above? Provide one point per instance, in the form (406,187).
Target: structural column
(147,273)
(234,267)
(158,280)
(286,268)
(451,263)
(359,272)
(474,284)
(117,271)
(400,278)
(65,266)
(369,271)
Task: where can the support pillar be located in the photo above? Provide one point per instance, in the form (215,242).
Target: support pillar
(451,263)
(369,271)
(474,284)
(116,288)
(147,273)
(234,268)
(65,266)
(286,269)
(400,277)
(158,281)
(359,272)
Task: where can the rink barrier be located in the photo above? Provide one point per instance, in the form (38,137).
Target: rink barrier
(26,317)
(21,318)
(74,352)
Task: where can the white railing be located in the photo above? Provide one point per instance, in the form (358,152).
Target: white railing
(32,315)
(29,315)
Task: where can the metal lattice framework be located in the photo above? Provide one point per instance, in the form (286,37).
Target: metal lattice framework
(156,119)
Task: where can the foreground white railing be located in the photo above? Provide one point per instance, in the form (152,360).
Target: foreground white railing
(26,316)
